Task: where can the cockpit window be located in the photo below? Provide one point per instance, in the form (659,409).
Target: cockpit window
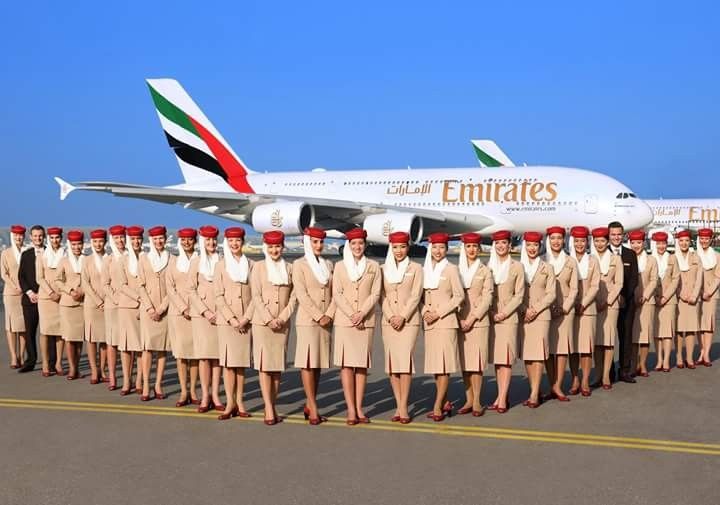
(632,195)
(618,196)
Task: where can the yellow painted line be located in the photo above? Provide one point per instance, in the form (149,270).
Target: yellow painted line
(704,449)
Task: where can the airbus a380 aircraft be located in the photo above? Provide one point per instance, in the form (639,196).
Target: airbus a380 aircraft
(420,201)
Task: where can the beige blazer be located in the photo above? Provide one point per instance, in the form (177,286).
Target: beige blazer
(232,299)
(711,279)
(45,278)
(65,281)
(691,282)
(540,294)
(403,299)
(478,298)
(270,301)
(92,282)
(112,278)
(178,288)
(314,299)
(668,286)
(510,294)
(201,291)
(611,283)
(9,273)
(589,288)
(566,287)
(360,296)
(152,287)
(648,281)
(445,300)
(128,296)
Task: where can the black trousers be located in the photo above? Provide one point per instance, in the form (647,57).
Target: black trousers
(32,320)
(625,331)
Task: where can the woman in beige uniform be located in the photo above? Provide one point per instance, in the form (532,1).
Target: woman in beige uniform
(128,315)
(273,305)
(234,312)
(710,261)
(474,334)
(112,278)
(608,306)
(93,306)
(12,296)
(312,282)
(68,282)
(48,299)
(690,289)
(179,320)
(540,295)
(509,292)
(154,303)
(400,300)
(644,322)
(357,282)
(204,318)
(665,299)
(561,338)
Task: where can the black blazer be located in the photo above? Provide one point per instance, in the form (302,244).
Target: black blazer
(27,275)
(630,275)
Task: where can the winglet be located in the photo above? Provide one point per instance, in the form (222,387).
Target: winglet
(489,154)
(65,188)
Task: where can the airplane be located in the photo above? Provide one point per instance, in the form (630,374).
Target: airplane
(418,201)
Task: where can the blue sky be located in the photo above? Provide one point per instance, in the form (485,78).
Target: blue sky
(631,89)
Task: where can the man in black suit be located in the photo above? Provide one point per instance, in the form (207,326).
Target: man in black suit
(29,285)
(627,302)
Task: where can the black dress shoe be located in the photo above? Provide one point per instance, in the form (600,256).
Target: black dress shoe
(628,379)
(27,367)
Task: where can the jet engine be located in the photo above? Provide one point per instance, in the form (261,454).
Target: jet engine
(289,217)
(379,226)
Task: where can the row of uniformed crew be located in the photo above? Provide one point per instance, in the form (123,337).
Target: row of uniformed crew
(232,312)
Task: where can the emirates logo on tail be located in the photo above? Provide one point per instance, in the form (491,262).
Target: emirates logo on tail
(276,219)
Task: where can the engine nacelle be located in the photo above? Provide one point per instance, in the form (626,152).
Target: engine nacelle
(289,217)
(379,226)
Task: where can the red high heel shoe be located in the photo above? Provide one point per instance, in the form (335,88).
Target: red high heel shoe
(464,410)
(94,381)
(438,417)
(478,413)
(112,386)
(681,365)
(607,387)
(561,398)
(145,398)
(364,419)
(219,406)
(271,422)
(585,392)
(447,409)
(306,412)
(352,422)
(195,401)
(159,396)
(573,392)
(395,419)
(691,366)
(502,410)
(207,408)
(405,420)
(104,379)
(182,403)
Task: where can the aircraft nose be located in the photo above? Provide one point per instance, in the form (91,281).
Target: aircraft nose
(642,215)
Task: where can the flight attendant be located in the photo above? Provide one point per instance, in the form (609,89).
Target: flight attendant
(49,298)
(93,306)
(666,300)
(112,278)
(509,292)
(179,319)
(12,297)
(644,324)
(690,289)
(540,295)
(474,334)
(154,303)
(128,314)
(312,282)
(68,282)
(401,294)
(711,281)
(561,339)
(234,303)
(357,283)
(273,305)
(608,305)
(204,318)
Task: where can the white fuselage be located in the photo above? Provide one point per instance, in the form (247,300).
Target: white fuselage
(685,213)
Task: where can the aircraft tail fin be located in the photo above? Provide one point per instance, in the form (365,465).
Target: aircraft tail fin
(489,154)
(200,149)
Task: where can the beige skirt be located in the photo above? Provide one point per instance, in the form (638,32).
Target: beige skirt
(312,349)
(205,339)
(503,343)
(442,355)
(111,325)
(561,339)
(399,347)
(94,324)
(181,337)
(644,324)
(606,327)
(666,320)
(688,319)
(72,323)
(473,346)
(353,347)
(707,315)
(128,330)
(14,320)
(585,334)
(269,348)
(154,334)
(235,348)
(49,312)
(534,340)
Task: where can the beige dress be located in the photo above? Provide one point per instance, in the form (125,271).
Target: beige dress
(474,344)
(48,310)
(609,294)
(72,318)
(128,313)
(644,322)
(691,284)
(153,295)
(540,295)
(94,301)
(353,346)
(233,300)
(312,347)
(708,311)
(507,299)
(402,299)
(12,294)
(666,315)
(442,355)
(202,298)
(562,327)
(179,328)
(112,278)
(585,327)
(270,302)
